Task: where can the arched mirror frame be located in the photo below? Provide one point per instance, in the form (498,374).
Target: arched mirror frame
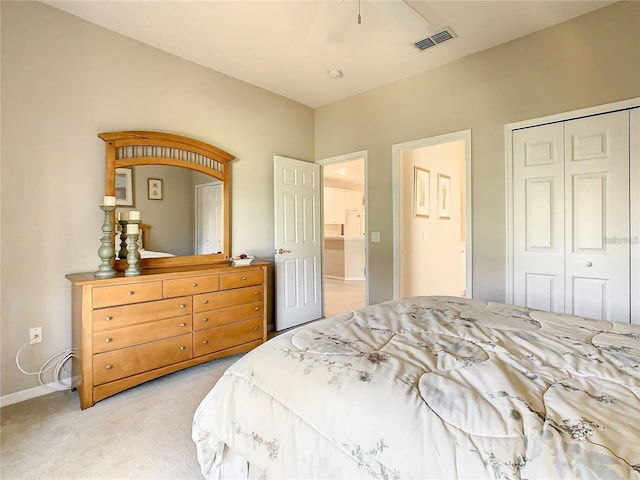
(131,148)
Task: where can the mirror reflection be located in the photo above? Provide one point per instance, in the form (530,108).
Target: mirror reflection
(183,209)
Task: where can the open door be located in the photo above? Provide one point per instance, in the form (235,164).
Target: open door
(298,242)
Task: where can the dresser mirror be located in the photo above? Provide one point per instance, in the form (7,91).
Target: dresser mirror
(181,187)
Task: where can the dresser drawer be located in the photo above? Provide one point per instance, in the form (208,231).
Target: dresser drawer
(223,316)
(227,336)
(191,285)
(126,294)
(129,361)
(227,298)
(114,339)
(241,279)
(114,317)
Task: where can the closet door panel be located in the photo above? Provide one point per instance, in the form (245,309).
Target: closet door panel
(597,253)
(634,150)
(538,163)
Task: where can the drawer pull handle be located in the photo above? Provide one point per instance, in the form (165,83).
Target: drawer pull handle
(109,366)
(256,308)
(182,348)
(108,318)
(108,339)
(256,328)
(205,301)
(194,284)
(182,305)
(205,320)
(204,342)
(183,324)
(244,278)
(131,292)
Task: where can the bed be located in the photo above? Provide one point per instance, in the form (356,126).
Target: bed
(430,387)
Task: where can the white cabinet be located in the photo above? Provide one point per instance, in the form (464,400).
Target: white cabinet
(353,200)
(337,201)
(573,225)
(334,199)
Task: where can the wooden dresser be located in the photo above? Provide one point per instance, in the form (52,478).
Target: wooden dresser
(128,330)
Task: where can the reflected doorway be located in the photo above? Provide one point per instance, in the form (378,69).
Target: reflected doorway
(344,232)
(209,218)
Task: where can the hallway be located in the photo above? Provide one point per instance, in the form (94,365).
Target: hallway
(344,295)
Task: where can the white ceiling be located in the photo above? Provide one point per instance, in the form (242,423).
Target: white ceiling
(288,47)
(349,174)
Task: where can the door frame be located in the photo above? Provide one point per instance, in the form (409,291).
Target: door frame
(397,149)
(508,156)
(347,157)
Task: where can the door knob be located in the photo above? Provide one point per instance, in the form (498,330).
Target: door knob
(282,250)
(588,264)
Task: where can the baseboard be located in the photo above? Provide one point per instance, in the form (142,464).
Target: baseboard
(335,277)
(29,393)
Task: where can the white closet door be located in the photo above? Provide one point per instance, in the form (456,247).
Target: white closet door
(538,196)
(634,137)
(597,257)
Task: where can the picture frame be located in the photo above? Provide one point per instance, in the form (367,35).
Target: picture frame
(154,188)
(421,191)
(124,187)
(444,197)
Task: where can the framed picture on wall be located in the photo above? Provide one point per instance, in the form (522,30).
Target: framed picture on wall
(421,178)
(154,188)
(444,196)
(124,187)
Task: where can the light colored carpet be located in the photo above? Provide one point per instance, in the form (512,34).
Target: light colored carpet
(141,433)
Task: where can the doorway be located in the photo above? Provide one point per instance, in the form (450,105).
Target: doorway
(432,216)
(344,233)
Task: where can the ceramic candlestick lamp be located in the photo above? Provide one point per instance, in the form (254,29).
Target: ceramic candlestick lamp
(123,252)
(106,250)
(133,256)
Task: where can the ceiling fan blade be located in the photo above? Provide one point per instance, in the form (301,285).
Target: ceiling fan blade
(403,15)
(332,21)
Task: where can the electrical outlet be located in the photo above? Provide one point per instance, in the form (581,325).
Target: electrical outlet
(35,335)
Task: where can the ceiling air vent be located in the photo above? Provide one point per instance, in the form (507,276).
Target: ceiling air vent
(435,39)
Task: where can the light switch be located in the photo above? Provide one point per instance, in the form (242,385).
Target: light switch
(425,236)
(375,237)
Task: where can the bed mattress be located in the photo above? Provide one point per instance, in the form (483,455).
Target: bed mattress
(430,387)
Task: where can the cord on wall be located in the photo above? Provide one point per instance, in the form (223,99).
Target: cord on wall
(56,362)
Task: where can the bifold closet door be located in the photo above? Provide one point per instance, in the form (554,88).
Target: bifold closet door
(538,223)
(597,223)
(577,215)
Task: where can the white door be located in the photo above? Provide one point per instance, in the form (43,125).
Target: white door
(209,229)
(538,205)
(634,241)
(298,242)
(597,281)
(571,220)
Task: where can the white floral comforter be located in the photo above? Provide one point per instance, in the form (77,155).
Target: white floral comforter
(430,387)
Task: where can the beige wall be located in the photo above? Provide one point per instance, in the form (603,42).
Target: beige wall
(172,218)
(591,60)
(65,80)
